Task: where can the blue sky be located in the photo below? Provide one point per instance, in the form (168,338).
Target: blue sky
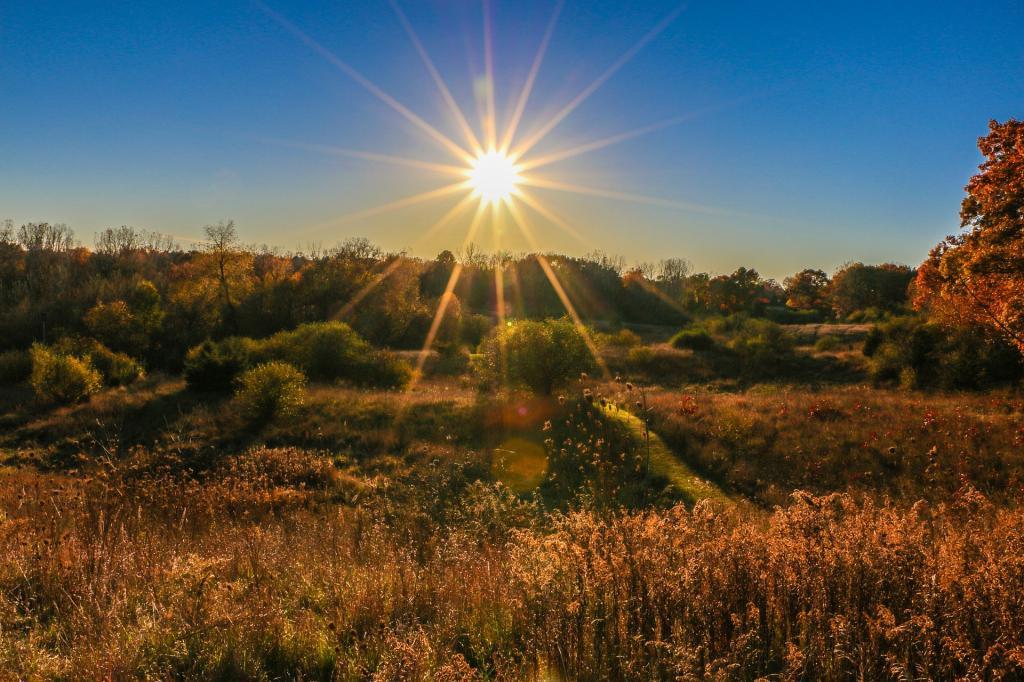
(821,132)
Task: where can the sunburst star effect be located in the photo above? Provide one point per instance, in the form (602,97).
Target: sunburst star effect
(491,167)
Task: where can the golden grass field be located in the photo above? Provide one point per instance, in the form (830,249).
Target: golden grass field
(147,533)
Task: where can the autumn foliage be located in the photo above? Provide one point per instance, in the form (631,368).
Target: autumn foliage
(977,277)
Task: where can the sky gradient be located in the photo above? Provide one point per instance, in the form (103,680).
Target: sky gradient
(818,133)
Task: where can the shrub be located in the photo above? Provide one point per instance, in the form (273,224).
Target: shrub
(212,366)
(660,365)
(537,355)
(118,369)
(62,378)
(624,338)
(693,339)
(113,324)
(15,367)
(916,353)
(451,360)
(324,351)
(269,390)
(785,315)
(827,343)
(473,328)
(327,351)
(761,343)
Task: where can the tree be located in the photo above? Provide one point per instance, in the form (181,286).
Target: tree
(118,241)
(672,274)
(977,277)
(806,290)
(857,286)
(232,266)
(538,355)
(734,293)
(46,237)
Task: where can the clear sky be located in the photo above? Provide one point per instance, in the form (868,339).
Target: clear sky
(819,132)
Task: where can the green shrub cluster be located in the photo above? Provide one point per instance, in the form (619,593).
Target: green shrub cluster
(693,339)
(781,314)
(15,367)
(540,356)
(62,378)
(624,338)
(827,343)
(324,351)
(117,369)
(213,365)
(270,390)
(916,353)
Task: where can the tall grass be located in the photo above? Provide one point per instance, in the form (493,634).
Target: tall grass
(253,570)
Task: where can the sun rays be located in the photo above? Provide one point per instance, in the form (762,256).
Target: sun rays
(493,167)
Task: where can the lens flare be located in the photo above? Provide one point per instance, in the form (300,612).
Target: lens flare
(493,177)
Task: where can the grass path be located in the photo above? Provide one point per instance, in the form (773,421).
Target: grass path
(666,463)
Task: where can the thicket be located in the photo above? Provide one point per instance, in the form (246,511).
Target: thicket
(916,353)
(324,351)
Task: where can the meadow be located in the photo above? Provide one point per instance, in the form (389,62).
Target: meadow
(212,469)
(844,531)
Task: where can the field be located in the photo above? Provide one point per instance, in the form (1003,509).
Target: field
(614,530)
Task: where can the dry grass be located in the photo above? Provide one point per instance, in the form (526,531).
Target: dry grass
(766,442)
(252,573)
(343,545)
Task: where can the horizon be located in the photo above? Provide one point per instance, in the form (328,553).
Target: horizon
(809,138)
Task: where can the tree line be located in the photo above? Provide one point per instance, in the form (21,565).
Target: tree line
(139,292)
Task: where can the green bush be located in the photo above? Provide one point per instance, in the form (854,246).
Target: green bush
(473,328)
(538,355)
(664,366)
(693,339)
(118,369)
(213,365)
(62,378)
(451,360)
(624,338)
(324,351)
(827,343)
(15,367)
(270,390)
(327,351)
(916,353)
(866,315)
(784,315)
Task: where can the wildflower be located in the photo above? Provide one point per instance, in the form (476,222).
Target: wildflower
(547,425)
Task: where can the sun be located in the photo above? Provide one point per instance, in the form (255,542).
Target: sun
(493,177)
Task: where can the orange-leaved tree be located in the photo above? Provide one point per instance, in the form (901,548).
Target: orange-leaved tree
(977,277)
